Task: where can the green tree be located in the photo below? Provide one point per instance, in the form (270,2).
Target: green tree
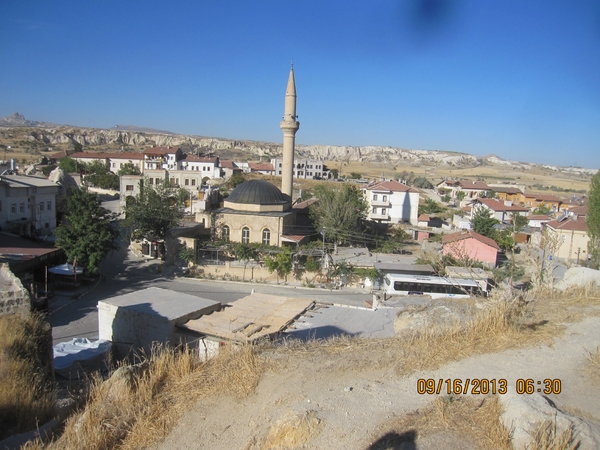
(542,209)
(281,263)
(340,211)
(593,221)
(236,179)
(69,165)
(355,175)
(155,210)
(423,183)
(245,252)
(335,173)
(129,169)
(86,232)
(460,195)
(483,223)
(430,206)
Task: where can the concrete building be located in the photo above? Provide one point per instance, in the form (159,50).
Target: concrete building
(501,211)
(303,168)
(471,189)
(28,205)
(139,319)
(471,245)
(289,125)
(392,202)
(167,158)
(572,232)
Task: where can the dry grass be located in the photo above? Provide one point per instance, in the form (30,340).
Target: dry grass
(593,358)
(26,391)
(293,431)
(137,411)
(547,439)
(475,420)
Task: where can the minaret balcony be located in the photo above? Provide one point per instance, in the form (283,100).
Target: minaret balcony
(289,125)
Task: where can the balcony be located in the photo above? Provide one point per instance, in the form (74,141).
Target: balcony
(381,203)
(379,216)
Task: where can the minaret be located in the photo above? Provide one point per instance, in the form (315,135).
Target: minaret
(289,125)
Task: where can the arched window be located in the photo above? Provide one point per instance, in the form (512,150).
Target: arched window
(266,236)
(225,233)
(245,235)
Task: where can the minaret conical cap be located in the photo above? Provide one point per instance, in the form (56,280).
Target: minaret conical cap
(291,86)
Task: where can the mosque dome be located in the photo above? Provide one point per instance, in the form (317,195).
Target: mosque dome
(257,192)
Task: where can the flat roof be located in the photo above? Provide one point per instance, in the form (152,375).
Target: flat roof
(162,302)
(406,268)
(252,317)
(25,180)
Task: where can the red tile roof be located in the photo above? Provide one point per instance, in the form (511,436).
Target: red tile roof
(579,210)
(227,164)
(495,205)
(538,217)
(261,167)
(392,186)
(423,218)
(542,197)
(477,185)
(98,155)
(569,224)
(204,159)
(469,234)
(160,150)
(506,190)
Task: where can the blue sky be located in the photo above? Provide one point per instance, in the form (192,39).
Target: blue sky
(520,79)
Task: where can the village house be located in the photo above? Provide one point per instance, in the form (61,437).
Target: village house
(572,232)
(262,168)
(168,158)
(28,205)
(501,211)
(391,202)
(533,201)
(472,189)
(303,168)
(469,244)
(507,193)
(208,167)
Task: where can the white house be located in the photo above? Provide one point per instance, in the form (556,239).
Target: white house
(303,168)
(207,166)
(27,205)
(167,158)
(500,210)
(392,202)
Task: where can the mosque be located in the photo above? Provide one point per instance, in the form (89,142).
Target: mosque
(256,211)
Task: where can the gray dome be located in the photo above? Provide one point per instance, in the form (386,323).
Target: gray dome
(257,192)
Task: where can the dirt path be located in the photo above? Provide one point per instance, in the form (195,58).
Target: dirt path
(355,408)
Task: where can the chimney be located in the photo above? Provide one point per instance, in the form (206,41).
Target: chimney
(507,203)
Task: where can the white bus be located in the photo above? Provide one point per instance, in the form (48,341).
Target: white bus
(436,287)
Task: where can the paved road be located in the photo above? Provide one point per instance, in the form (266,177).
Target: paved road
(125,273)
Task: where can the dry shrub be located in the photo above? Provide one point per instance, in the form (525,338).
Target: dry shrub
(26,390)
(293,431)
(547,439)
(593,358)
(476,420)
(140,409)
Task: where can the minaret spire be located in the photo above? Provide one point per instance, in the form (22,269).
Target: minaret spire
(289,125)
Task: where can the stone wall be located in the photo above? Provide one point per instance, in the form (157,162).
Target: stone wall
(14,298)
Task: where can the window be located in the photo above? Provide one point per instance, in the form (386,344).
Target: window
(13,208)
(151,180)
(374,210)
(129,187)
(374,197)
(245,235)
(280,170)
(225,233)
(49,206)
(193,182)
(41,206)
(384,198)
(266,237)
(22,207)
(383,211)
(187,182)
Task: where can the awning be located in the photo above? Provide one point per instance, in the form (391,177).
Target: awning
(65,269)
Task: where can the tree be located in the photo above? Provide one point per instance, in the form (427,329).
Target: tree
(339,211)
(542,210)
(245,252)
(69,165)
(430,206)
(483,223)
(236,179)
(155,210)
(460,195)
(335,173)
(86,232)
(129,169)
(281,264)
(593,222)
(355,175)
(423,183)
